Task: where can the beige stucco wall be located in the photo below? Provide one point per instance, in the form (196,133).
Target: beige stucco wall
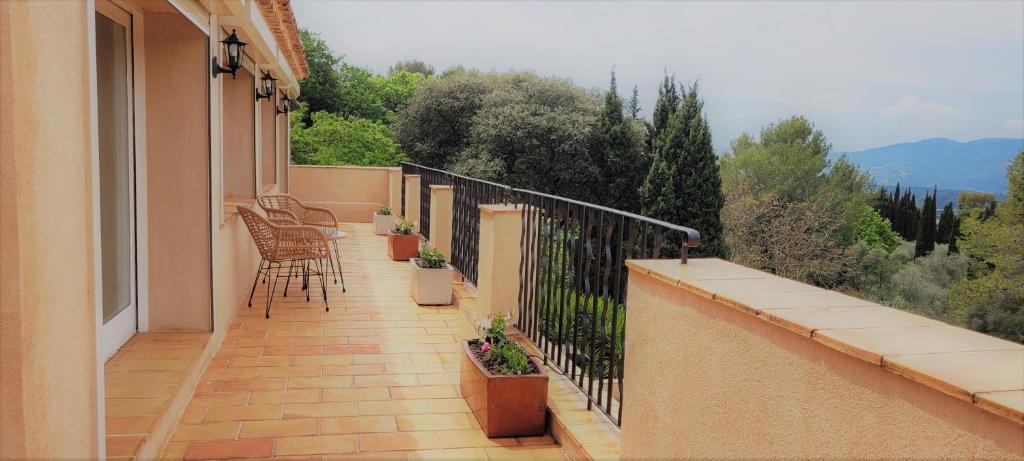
(501,230)
(704,380)
(48,344)
(239,135)
(352,192)
(178,174)
(268,140)
(281,122)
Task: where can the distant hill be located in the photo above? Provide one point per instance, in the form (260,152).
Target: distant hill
(976,165)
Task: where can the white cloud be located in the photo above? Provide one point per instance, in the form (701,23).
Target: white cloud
(914,109)
(1015,125)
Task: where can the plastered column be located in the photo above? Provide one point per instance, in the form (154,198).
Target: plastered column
(441,201)
(49,383)
(395,191)
(501,228)
(412,200)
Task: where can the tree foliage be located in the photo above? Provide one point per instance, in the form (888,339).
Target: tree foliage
(788,209)
(967,200)
(874,231)
(620,155)
(414,66)
(944,230)
(333,140)
(926,227)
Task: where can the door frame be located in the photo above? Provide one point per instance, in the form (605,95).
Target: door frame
(133,16)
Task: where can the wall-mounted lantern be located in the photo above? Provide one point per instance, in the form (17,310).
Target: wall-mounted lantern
(235,50)
(287,105)
(268,86)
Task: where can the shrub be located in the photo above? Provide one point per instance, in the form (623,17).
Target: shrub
(402,227)
(431,258)
(334,140)
(384,210)
(873,230)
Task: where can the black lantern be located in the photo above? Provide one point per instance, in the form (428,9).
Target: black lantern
(269,86)
(287,105)
(235,50)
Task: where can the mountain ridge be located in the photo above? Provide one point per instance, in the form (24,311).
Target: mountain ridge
(976,165)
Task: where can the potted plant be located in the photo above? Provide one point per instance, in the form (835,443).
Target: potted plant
(403,244)
(383,220)
(431,281)
(505,387)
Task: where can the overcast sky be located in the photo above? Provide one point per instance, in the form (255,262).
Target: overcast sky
(867,73)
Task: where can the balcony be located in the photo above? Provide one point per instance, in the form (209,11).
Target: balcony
(732,362)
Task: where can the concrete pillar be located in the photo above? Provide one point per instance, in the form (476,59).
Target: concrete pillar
(50,386)
(441,202)
(395,191)
(501,229)
(412,200)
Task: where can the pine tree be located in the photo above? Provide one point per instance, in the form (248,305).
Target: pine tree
(944,230)
(657,194)
(926,228)
(634,104)
(620,156)
(896,210)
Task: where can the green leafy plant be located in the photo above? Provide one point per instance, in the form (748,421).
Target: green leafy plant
(510,356)
(493,329)
(432,258)
(384,210)
(402,227)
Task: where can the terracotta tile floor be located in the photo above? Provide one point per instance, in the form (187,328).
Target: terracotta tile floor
(375,378)
(140,380)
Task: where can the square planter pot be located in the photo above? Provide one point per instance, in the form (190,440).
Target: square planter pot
(430,287)
(382,224)
(505,406)
(403,247)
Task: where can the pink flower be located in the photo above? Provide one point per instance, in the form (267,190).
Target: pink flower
(486,347)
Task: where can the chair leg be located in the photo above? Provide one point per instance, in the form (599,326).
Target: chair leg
(271,287)
(305,279)
(323,286)
(259,272)
(337,256)
(330,265)
(291,265)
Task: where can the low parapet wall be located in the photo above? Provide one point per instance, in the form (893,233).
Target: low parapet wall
(352,192)
(724,361)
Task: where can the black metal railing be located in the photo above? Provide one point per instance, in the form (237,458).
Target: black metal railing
(573,277)
(572,287)
(468,193)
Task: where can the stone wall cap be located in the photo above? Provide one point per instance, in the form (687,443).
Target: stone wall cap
(442,186)
(497,208)
(412,176)
(972,366)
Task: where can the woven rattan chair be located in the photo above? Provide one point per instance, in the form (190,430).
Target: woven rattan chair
(285,206)
(302,246)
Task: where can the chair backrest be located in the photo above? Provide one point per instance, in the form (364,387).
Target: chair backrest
(262,233)
(282,202)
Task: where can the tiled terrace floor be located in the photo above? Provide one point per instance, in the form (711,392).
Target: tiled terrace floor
(374,378)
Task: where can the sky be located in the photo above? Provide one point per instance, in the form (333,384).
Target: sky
(868,74)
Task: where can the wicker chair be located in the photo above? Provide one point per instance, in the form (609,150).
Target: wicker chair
(305,247)
(285,206)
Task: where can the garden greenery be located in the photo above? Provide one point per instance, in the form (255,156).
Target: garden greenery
(384,209)
(432,258)
(402,227)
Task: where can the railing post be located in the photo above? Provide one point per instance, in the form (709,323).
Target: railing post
(441,203)
(395,191)
(501,229)
(411,207)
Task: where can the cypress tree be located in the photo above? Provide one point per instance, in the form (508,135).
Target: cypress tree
(667,104)
(683,185)
(926,228)
(620,156)
(896,211)
(657,194)
(944,230)
(634,104)
(954,235)
(881,204)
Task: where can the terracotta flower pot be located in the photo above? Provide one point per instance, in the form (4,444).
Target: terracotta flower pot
(383,223)
(403,247)
(430,287)
(505,406)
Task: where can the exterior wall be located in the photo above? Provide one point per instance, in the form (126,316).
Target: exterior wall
(178,157)
(268,141)
(236,260)
(48,313)
(722,383)
(239,136)
(283,151)
(352,192)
